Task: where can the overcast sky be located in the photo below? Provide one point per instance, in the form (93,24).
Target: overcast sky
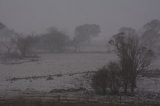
(37,15)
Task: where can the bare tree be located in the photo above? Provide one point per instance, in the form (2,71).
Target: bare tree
(133,57)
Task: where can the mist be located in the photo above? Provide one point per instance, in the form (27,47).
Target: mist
(28,16)
(79,52)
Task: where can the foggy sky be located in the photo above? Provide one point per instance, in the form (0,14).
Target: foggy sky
(37,15)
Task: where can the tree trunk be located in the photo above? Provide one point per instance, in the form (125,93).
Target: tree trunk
(133,86)
(104,91)
(125,88)
(132,89)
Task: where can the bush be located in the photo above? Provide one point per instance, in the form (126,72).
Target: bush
(99,81)
(107,79)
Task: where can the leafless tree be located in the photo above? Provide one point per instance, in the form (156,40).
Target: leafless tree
(133,57)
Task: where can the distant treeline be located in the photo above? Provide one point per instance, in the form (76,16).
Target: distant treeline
(54,40)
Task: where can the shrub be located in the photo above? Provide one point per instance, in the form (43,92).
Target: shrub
(99,81)
(107,79)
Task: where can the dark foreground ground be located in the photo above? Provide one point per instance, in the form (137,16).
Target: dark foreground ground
(73,104)
(21,102)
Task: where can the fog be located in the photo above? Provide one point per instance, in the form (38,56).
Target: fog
(36,15)
(79,52)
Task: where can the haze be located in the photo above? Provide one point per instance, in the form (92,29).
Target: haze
(37,15)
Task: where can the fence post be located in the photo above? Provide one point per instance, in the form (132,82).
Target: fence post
(120,99)
(59,98)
